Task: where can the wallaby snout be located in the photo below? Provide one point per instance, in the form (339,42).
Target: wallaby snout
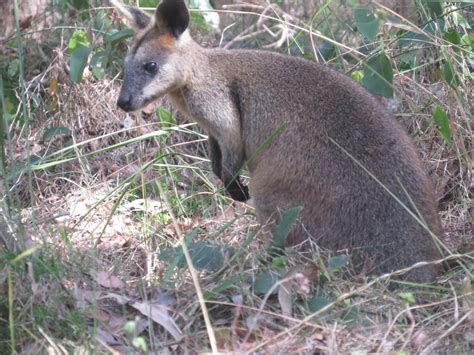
(125,102)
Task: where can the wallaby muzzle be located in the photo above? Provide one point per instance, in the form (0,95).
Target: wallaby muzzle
(125,102)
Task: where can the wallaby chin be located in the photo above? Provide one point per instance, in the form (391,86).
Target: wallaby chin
(309,136)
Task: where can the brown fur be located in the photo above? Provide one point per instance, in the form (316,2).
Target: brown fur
(241,97)
(166,40)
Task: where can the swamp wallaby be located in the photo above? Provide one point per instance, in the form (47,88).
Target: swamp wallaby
(308,135)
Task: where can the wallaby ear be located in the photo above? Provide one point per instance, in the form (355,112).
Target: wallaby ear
(137,18)
(172,17)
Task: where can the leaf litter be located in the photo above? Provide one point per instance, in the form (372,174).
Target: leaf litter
(111,323)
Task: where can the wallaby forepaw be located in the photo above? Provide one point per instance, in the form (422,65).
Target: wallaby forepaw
(239,193)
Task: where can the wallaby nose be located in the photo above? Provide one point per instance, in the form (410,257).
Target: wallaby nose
(125,102)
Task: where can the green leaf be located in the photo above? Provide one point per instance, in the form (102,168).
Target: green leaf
(358,76)
(11,104)
(80,4)
(378,75)
(129,327)
(317,302)
(442,122)
(416,38)
(231,282)
(166,117)
(200,22)
(354,315)
(366,23)
(148,3)
(337,262)
(279,263)
(52,132)
(78,63)
(435,7)
(204,256)
(281,231)
(450,75)
(459,20)
(208,257)
(98,63)
(140,343)
(407,296)
(328,50)
(452,36)
(264,282)
(467,40)
(118,36)
(13,68)
(408,60)
(79,39)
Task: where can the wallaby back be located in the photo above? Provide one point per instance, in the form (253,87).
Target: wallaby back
(328,145)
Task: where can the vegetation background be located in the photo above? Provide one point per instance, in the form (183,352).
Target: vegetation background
(96,205)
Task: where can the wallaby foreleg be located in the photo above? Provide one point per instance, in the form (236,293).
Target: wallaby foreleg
(233,184)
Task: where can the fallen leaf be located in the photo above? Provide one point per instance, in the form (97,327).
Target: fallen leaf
(128,122)
(116,325)
(160,315)
(162,297)
(3,288)
(149,206)
(318,336)
(262,322)
(32,348)
(82,295)
(53,89)
(105,337)
(469,336)
(25,23)
(297,281)
(122,300)
(156,312)
(238,301)
(34,284)
(107,280)
(285,297)
(98,314)
(419,339)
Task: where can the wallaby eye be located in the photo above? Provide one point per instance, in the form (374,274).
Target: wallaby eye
(151,67)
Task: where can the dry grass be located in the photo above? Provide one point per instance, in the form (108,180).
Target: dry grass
(97,281)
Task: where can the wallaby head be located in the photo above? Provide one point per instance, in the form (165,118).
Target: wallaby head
(157,62)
